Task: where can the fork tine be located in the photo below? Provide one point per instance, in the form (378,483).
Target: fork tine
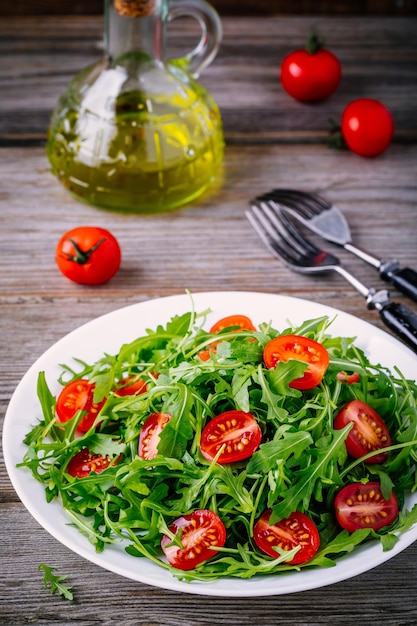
(292,200)
(270,236)
(279,235)
(305,203)
(287,230)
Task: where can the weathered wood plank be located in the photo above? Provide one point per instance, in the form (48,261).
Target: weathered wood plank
(244,76)
(272,141)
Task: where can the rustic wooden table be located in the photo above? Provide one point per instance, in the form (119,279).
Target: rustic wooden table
(271,141)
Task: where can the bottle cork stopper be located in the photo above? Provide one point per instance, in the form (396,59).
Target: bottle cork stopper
(135,8)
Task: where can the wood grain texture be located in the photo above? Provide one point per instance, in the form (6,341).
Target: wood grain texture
(41,55)
(272,141)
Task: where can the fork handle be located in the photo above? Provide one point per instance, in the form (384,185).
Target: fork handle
(404,279)
(402,321)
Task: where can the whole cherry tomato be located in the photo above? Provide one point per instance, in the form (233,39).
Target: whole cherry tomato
(88,255)
(312,74)
(367,127)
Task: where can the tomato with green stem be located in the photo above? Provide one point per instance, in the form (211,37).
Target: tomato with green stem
(194,539)
(298,348)
(312,74)
(361,505)
(236,433)
(88,255)
(369,432)
(76,396)
(295,531)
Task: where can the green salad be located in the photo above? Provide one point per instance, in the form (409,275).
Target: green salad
(234,451)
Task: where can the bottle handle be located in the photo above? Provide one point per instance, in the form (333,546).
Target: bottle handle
(211,32)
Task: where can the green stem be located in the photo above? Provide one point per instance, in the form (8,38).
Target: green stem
(82,256)
(364,458)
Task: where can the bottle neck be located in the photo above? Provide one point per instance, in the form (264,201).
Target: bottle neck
(138,32)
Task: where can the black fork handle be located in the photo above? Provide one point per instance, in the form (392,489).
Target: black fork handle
(404,279)
(401,321)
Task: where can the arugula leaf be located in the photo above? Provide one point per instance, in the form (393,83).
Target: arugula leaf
(178,430)
(55,582)
(297,497)
(343,543)
(271,452)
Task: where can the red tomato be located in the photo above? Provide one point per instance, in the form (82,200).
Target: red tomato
(363,506)
(88,255)
(78,396)
(287,534)
(149,434)
(299,348)
(311,75)
(83,463)
(348,379)
(369,432)
(242,321)
(198,532)
(205,354)
(367,127)
(130,386)
(237,430)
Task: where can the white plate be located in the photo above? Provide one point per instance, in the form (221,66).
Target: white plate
(107,334)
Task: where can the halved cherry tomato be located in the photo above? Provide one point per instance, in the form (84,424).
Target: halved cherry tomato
(242,321)
(299,348)
(78,396)
(287,534)
(88,255)
(348,379)
(369,431)
(199,532)
(149,434)
(363,506)
(84,462)
(130,386)
(238,431)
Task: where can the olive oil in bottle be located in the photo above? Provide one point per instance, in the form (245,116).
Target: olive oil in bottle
(133,132)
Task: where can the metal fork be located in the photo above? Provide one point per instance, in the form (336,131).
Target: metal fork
(286,243)
(326,220)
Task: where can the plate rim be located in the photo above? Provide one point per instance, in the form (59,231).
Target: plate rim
(224,587)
